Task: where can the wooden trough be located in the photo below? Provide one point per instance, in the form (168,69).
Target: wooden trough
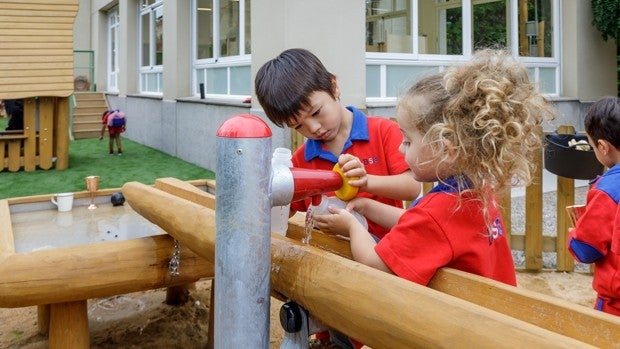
(382,310)
(60,280)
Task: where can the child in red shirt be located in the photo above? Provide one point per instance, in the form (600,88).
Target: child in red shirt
(114,131)
(596,235)
(297,91)
(473,129)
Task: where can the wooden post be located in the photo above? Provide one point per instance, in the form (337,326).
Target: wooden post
(565,197)
(533,218)
(524,45)
(3,145)
(69,326)
(541,39)
(43,318)
(30,143)
(61,139)
(177,295)
(46,132)
(14,154)
(506,205)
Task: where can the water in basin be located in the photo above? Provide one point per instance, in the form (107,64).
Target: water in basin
(48,229)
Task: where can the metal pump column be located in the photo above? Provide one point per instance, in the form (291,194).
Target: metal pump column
(242,240)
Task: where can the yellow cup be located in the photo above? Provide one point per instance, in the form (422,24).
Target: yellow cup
(347,191)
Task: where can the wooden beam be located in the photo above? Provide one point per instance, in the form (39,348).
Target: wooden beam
(555,314)
(360,301)
(101,270)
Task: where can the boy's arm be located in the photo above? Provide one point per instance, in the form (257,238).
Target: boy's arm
(398,187)
(102,131)
(591,238)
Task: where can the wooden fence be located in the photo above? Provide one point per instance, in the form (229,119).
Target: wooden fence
(531,240)
(36,60)
(39,146)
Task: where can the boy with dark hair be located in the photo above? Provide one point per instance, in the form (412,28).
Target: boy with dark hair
(297,91)
(593,240)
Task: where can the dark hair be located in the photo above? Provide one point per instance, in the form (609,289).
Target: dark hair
(603,120)
(15,109)
(283,84)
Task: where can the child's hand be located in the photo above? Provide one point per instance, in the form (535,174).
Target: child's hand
(353,167)
(338,222)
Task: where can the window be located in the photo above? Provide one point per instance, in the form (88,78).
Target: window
(221,43)
(388,26)
(113,27)
(151,46)
(407,38)
(536,28)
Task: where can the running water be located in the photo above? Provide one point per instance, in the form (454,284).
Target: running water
(309,225)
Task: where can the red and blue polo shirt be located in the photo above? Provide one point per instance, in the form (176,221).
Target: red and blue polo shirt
(592,239)
(375,141)
(439,231)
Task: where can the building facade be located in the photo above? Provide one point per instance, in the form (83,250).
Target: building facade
(179,68)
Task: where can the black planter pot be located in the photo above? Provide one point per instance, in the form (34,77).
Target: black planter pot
(569,162)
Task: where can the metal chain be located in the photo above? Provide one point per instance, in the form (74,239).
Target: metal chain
(173,264)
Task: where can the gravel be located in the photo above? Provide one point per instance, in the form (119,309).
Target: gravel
(549,225)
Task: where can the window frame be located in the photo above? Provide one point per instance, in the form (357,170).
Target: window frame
(415,60)
(153,72)
(203,69)
(112,69)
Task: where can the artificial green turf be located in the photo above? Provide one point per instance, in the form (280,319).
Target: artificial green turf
(89,157)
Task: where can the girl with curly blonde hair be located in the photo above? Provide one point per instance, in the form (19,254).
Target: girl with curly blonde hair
(474,129)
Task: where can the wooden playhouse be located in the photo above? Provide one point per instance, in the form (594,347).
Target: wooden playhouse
(36,65)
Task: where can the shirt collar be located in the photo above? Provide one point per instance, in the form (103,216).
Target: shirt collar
(359,132)
(450,185)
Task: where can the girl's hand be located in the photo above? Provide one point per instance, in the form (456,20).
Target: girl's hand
(338,222)
(354,169)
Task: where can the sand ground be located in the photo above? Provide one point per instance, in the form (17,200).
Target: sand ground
(142,320)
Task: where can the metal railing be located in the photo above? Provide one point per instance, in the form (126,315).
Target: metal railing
(84,70)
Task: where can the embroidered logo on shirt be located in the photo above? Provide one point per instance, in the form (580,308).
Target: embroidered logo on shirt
(370,161)
(495,231)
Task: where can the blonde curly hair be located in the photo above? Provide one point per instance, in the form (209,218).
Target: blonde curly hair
(490,114)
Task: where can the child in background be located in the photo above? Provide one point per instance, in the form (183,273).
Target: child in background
(15,112)
(592,240)
(113,131)
(297,91)
(474,129)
